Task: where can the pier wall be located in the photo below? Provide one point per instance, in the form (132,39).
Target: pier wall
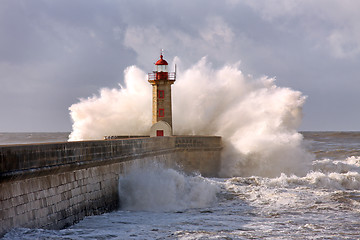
(55,185)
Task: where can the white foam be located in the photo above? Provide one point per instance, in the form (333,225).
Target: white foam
(329,166)
(256,118)
(122,111)
(329,180)
(154,188)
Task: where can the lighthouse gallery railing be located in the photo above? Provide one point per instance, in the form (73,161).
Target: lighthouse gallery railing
(161,75)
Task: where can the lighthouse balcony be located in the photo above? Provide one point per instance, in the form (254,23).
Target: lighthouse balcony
(171,76)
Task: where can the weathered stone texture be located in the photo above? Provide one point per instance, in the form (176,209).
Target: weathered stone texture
(52,186)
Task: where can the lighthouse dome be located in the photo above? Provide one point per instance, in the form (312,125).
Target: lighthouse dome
(161,61)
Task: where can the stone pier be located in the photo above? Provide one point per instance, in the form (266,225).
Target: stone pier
(55,185)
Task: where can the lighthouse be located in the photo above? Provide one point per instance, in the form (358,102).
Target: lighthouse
(161,81)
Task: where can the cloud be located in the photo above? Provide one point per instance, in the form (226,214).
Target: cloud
(74,48)
(214,38)
(344,43)
(330,25)
(217,32)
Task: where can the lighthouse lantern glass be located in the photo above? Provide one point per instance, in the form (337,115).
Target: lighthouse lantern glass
(161,68)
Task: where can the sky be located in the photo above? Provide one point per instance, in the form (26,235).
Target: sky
(55,52)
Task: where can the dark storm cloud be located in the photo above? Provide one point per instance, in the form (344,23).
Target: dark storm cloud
(53,52)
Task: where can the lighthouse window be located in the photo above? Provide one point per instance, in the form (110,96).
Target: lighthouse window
(161,112)
(161,68)
(161,94)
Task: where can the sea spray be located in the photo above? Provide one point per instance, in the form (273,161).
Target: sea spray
(256,119)
(123,111)
(155,188)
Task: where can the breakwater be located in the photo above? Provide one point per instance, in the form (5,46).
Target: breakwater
(54,185)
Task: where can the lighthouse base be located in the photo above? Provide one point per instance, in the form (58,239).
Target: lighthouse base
(160,129)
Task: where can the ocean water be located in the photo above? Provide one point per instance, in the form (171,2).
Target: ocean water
(160,203)
(32,137)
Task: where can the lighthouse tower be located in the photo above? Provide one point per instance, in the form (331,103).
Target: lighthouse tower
(161,80)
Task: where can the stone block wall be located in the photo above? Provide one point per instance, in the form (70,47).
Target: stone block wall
(53,186)
(58,200)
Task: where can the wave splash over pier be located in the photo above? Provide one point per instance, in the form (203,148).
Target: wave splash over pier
(257,119)
(277,183)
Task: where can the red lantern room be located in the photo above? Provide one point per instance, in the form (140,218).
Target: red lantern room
(161,64)
(161,69)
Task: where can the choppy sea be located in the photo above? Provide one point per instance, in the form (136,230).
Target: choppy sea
(159,203)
